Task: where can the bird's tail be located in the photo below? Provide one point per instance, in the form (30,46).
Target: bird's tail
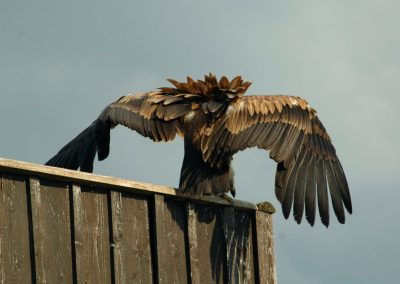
(80,152)
(198,177)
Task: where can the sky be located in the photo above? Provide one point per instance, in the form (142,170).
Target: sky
(62,62)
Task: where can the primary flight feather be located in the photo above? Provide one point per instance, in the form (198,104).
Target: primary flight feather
(216,121)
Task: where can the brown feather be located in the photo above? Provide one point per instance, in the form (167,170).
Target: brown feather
(280,181)
(310,192)
(279,142)
(160,131)
(176,110)
(250,108)
(284,145)
(224,82)
(290,186)
(270,107)
(214,106)
(236,82)
(335,192)
(264,139)
(278,104)
(299,191)
(172,99)
(323,204)
(274,137)
(342,182)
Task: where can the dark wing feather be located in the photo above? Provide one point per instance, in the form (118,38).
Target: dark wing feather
(289,128)
(150,114)
(323,203)
(310,191)
(147,115)
(299,190)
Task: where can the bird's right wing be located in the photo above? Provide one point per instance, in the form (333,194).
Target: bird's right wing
(152,115)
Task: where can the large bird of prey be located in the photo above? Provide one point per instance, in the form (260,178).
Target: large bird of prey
(216,121)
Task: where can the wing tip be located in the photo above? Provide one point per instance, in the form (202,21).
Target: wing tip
(286,213)
(310,219)
(348,205)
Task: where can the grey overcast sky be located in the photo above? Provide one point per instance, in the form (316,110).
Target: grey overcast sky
(62,62)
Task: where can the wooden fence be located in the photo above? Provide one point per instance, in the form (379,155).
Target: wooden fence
(62,226)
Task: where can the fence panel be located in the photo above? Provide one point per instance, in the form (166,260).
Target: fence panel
(51,231)
(169,218)
(62,226)
(92,235)
(131,238)
(206,244)
(15,259)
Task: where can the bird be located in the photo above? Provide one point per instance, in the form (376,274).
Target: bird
(216,120)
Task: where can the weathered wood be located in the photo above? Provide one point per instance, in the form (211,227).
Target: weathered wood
(131,238)
(15,263)
(51,231)
(206,244)
(250,250)
(265,248)
(57,229)
(92,240)
(109,183)
(193,243)
(170,224)
(266,206)
(239,247)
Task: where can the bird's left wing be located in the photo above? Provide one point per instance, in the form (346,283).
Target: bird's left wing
(298,142)
(152,115)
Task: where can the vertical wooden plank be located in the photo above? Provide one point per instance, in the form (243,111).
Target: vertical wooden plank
(116,238)
(265,248)
(92,240)
(15,264)
(239,247)
(131,238)
(170,227)
(206,244)
(250,255)
(193,243)
(51,231)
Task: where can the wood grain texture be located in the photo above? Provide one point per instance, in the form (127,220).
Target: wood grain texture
(239,246)
(51,231)
(15,263)
(113,234)
(193,243)
(206,244)
(92,240)
(265,248)
(131,238)
(170,224)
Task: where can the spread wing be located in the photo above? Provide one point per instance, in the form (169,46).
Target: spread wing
(150,114)
(289,128)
